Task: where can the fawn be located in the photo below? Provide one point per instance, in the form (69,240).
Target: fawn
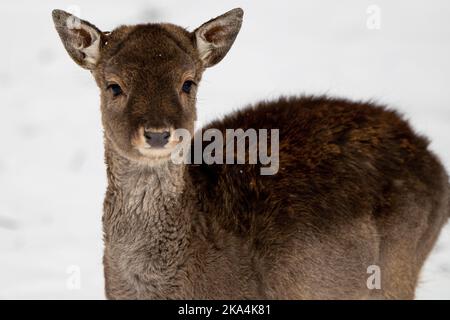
(355,187)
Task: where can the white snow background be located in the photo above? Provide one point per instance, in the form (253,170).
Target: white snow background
(52,173)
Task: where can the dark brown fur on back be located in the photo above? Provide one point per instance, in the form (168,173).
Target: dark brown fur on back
(355,187)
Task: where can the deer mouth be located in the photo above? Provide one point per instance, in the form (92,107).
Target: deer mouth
(154,144)
(157,152)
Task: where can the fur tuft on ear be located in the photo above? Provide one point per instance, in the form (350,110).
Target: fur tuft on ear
(81,39)
(215,37)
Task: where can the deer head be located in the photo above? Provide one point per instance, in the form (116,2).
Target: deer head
(148,76)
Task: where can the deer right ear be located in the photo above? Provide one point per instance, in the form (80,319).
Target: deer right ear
(81,39)
(215,37)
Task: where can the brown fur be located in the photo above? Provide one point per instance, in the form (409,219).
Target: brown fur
(355,187)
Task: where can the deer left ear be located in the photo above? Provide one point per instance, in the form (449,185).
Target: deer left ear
(81,39)
(215,37)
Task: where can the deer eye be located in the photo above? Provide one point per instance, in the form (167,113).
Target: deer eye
(115,89)
(187,86)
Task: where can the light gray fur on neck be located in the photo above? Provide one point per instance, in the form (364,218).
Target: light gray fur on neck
(145,225)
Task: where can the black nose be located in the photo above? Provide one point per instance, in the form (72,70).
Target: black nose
(157,139)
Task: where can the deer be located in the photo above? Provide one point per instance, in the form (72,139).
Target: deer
(356,187)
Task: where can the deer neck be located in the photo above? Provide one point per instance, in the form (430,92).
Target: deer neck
(146,224)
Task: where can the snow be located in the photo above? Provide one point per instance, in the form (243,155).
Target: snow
(52,173)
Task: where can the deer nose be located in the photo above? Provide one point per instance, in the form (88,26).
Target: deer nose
(157,139)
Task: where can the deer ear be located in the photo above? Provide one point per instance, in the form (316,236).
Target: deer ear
(81,39)
(215,37)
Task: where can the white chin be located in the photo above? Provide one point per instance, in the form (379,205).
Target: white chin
(156,155)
